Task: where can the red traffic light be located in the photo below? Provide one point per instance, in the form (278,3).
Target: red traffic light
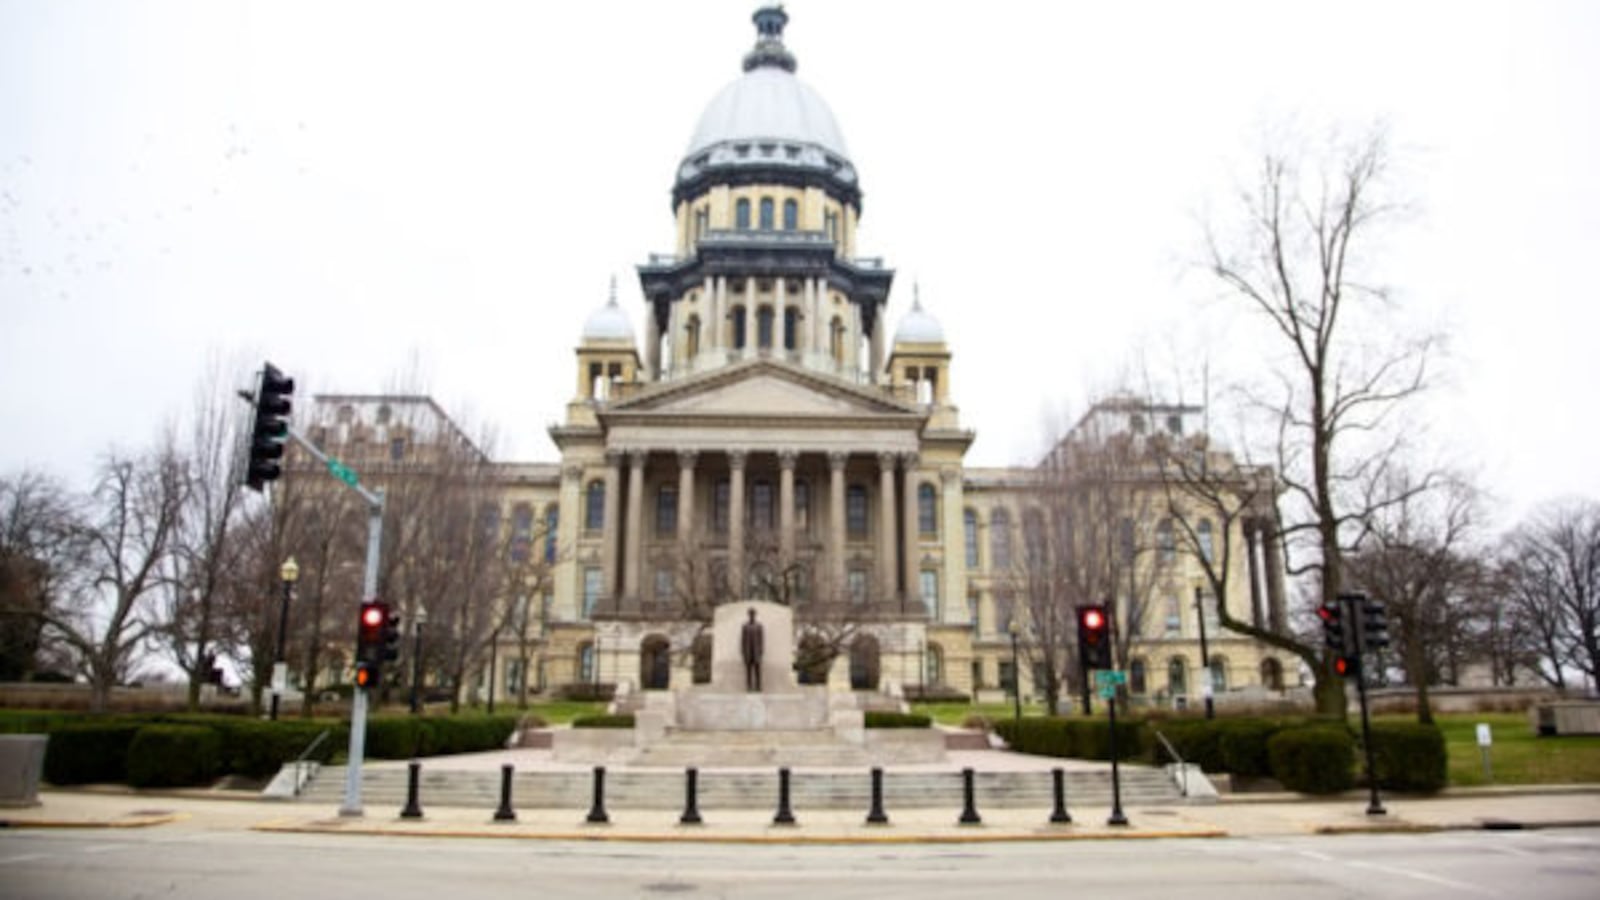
(1093,619)
(371,616)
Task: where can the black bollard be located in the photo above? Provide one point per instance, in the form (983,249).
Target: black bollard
(969,814)
(597,812)
(1059,815)
(785,815)
(413,808)
(691,808)
(876,815)
(505,813)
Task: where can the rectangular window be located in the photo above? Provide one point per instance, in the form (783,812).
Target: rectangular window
(972,610)
(977,674)
(513,677)
(857,586)
(719,507)
(667,510)
(930,593)
(855,511)
(663,585)
(1008,675)
(970,525)
(397,449)
(1003,612)
(802,507)
(761,505)
(591,589)
(1174,623)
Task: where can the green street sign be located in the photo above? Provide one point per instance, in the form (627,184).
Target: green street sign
(1109,678)
(1108,692)
(343,472)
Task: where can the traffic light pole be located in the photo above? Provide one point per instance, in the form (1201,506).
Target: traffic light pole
(369,588)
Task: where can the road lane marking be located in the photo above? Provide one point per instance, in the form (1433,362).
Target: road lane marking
(1422,876)
(22,857)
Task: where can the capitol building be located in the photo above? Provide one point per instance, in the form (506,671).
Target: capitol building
(770,433)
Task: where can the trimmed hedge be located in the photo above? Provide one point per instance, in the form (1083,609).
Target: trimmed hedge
(620,720)
(1409,757)
(1080,738)
(1313,760)
(173,756)
(89,752)
(1243,745)
(885,719)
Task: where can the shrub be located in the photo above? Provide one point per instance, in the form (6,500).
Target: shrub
(1313,760)
(1196,740)
(884,719)
(623,720)
(586,692)
(1092,737)
(89,752)
(1409,757)
(173,756)
(257,749)
(1243,746)
(1081,738)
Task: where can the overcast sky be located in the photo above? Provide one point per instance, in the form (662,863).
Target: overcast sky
(346,187)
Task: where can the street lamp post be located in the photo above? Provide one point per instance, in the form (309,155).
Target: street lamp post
(1207,682)
(1016,672)
(416,658)
(288,574)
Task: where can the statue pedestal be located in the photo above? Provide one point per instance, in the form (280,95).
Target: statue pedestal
(715,710)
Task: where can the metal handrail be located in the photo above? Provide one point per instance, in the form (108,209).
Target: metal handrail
(1183,767)
(302,759)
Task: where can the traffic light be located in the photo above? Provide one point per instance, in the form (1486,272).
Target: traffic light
(269,430)
(1338,633)
(391,637)
(371,629)
(1374,624)
(1094,637)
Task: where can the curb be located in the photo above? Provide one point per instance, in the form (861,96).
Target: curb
(280,827)
(131,821)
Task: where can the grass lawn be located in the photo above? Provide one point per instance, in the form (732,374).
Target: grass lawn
(1517,755)
(958,713)
(562,712)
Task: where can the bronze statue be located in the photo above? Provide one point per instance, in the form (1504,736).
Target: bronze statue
(750,645)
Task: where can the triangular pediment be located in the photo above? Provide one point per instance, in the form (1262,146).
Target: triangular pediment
(762,388)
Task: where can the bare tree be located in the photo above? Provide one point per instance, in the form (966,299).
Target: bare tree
(1299,262)
(40,549)
(1553,570)
(132,523)
(1416,560)
(203,551)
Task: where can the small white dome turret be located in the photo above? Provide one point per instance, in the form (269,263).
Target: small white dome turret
(609,322)
(918,326)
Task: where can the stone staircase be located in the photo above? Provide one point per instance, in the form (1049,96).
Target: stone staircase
(663,789)
(745,749)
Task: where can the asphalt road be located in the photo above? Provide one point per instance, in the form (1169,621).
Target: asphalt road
(231,865)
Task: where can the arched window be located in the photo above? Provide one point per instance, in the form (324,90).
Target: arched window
(741,214)
(864,663)
(1206,539)
(1136,677)
(691,337)
(1033,537)
(766,214)
(969,524)
(791,215)
(655,663)
(521,532)
(1177,677)
(1271,674)
(764,328)
(1219,673)
(791,324)
(1166,546)
(594,509)
(1000,539)
(927,510)
(855,510)
(738,327)
(552,518)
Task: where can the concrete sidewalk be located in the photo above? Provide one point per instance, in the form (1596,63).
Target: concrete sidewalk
(1237,815)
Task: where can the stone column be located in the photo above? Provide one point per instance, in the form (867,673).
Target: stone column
(652,346)
(780,326)
(736,575)
(708,318)
(686,461)
(719,312)
(749,319)
(1253,572)
(632,564)
(786,461)
(819,325)
(1277,615)
(909,518)
(836,462)
(886,535)
(877,345)
(609,533)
